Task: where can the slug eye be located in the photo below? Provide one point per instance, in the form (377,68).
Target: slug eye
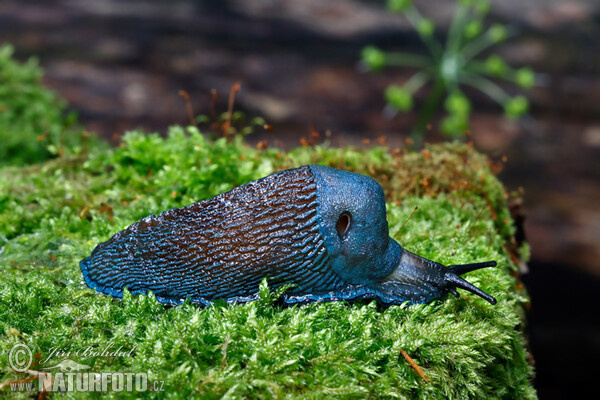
(343,224)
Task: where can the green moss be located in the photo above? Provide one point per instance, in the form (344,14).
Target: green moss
(53,214)
(34,123)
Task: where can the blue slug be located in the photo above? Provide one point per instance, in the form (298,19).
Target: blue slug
(320,229)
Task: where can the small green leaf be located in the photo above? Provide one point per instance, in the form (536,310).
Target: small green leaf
(516,107)
(426,27)
(482,6)
(374,58)
(264,293)
(473,28)
(525,77)
(458,104)
(202,119)
(399,98)
(258,121)
(52,149)
(497,32)
(454,125)
(496,66)
(398,5)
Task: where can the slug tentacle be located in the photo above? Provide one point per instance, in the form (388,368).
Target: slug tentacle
(322,230)
(453,281)
(464,268)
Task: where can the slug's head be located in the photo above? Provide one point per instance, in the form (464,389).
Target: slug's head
(353,223)
(352,220)
(420,280)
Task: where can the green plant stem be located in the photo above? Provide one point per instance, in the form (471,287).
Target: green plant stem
(434,46)
(401,59)
(417,81)
(428,110)
(456,27)
(477,46)
(481,43)
(478,67)
(486,86)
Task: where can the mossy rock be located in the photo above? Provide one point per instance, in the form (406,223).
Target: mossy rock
(53,214)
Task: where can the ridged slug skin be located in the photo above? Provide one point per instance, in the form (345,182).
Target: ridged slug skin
(322,230)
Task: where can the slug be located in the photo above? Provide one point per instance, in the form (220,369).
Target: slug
(322,230)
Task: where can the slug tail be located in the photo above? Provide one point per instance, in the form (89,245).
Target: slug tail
(221,248)
(86,266)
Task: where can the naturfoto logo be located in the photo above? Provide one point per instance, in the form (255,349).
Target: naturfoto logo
(71,376)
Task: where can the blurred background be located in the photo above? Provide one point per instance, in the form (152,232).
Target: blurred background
(121,64)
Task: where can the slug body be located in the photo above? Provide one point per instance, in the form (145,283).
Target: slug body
(322,230)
